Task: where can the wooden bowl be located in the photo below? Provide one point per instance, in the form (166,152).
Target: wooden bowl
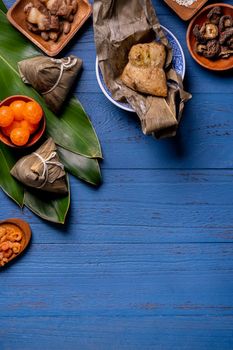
(34,137)
(186,13)
(25,228)
(17,18)
(220,64)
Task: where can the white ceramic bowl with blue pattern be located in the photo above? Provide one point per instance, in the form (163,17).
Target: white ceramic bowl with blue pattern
(178,63)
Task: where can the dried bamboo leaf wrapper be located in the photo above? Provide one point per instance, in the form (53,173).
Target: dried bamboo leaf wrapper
(42,169)
(52,78)
(118,25)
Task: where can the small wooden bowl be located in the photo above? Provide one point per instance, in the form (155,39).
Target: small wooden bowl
(17,18)
(25,228)
(220,64)
(34,137)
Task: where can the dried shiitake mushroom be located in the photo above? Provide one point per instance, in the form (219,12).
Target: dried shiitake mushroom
(225,36)
(230,43)
(210,31)
(225,52)
(199,34)
(225,22)
(212,49)
(214,15)
(200,48)
(215,36)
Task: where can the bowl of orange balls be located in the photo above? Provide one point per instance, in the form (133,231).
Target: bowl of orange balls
(22,121)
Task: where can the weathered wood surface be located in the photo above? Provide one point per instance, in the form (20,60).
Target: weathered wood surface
(145,261)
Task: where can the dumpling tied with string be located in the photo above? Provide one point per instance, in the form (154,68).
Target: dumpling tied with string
(42,169)
(52,78)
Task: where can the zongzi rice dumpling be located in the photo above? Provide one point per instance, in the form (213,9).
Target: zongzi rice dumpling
(42,169)
(52,78)
(144,72)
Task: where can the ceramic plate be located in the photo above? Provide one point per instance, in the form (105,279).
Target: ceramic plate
(178,64)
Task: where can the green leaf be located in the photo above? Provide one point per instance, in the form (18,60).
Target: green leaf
(47,207)
(3,7)
(73,133)
(85,168)
(9,185)
(73,130)
(53,210)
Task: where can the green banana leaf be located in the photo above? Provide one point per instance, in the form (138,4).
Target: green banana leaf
(7,182)
(3,7)
(12,85)
(86,169)
(73,130)
(52,209)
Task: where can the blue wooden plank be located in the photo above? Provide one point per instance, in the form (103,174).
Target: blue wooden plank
(148,206)
(160,282)
(205,130)
(117,332)
(145,261)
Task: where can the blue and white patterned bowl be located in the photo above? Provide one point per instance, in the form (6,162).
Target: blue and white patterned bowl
(178,64)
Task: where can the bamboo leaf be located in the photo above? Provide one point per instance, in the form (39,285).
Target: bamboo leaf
(73,130)
(48,207)
(51,209)
(3,7)
(8,184)
(89,169)
(85,168)
(73,133)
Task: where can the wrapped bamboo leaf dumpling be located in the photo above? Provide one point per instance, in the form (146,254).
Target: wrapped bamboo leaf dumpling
(42,169)
(51,77)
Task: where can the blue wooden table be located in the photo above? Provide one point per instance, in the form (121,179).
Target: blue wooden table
(146,261)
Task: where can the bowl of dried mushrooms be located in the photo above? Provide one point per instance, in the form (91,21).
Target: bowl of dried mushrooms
(210,37)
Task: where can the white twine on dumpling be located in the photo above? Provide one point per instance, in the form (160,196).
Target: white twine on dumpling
(65,64)
(47,161)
